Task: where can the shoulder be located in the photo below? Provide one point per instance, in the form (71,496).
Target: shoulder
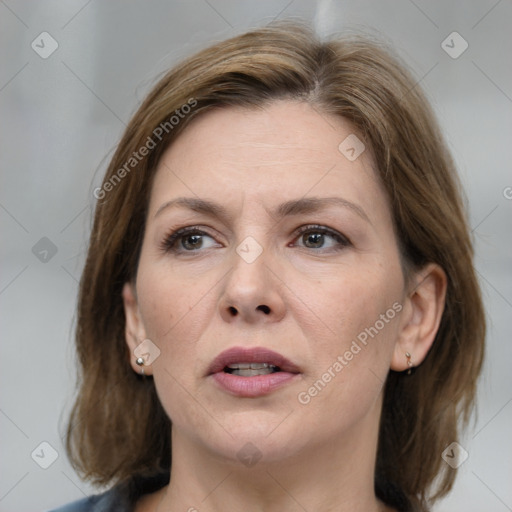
(108,501)
(121,498)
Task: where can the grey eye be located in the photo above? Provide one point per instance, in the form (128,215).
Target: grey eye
(313,240)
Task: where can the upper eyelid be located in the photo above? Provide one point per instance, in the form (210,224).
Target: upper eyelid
(318,227)
(299,230)
(187,230)
(325,230)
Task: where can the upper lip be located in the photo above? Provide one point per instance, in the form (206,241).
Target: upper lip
(251,355)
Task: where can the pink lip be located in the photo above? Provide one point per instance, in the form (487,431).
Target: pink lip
(251,387)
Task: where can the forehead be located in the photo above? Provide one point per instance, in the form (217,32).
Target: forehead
(284,151)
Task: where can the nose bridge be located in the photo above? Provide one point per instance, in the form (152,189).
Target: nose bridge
(250,266)
(251,291)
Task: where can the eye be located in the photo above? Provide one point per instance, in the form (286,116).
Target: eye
(189,239)
(320,237)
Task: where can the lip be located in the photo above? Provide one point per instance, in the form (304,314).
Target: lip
(251,387)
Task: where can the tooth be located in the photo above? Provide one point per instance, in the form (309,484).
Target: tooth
(252,366)
(252,372)
(241,366)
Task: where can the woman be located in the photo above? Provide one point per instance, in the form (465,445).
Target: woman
(279,285)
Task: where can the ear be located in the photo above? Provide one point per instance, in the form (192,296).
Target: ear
(421,317)
(135,332)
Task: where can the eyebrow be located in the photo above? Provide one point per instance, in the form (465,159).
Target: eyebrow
(289,208)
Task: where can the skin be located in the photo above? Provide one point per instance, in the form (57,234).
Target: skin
(319,295)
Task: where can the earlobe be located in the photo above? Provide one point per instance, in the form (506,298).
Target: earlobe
(421,318)
(135,332)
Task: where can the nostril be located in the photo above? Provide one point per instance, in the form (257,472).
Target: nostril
(233,310)
(265,309)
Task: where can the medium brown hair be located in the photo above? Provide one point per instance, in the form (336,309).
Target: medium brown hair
(118,428)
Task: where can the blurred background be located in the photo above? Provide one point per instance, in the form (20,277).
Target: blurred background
(72,74)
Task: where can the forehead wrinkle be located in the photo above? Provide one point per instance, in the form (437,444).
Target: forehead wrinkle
(269,145)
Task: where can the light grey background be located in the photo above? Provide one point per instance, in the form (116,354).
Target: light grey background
(61,117)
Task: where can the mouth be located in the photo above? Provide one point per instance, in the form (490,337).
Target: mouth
(252,372)
(251,362)
(251,369)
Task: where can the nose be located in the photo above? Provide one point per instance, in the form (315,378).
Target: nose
(252,292)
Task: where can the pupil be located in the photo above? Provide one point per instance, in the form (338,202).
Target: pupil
(314,239)
(192,242)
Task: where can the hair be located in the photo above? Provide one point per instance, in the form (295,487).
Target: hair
(118,429)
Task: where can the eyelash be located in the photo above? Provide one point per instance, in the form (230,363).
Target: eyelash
(341,240)
(169,243)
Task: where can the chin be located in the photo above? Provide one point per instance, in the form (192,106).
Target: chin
(257,436)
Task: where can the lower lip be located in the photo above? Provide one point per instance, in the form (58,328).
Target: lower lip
(251,387)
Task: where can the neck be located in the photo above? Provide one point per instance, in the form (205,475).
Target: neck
(337,475)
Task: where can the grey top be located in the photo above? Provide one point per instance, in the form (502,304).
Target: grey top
(123,497)
(106,502)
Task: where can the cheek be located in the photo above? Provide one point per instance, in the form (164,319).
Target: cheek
(350,300)
(175,314)
(167,302)
(353,355)
(354,342)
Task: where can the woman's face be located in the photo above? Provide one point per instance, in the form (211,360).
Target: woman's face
(288,260)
